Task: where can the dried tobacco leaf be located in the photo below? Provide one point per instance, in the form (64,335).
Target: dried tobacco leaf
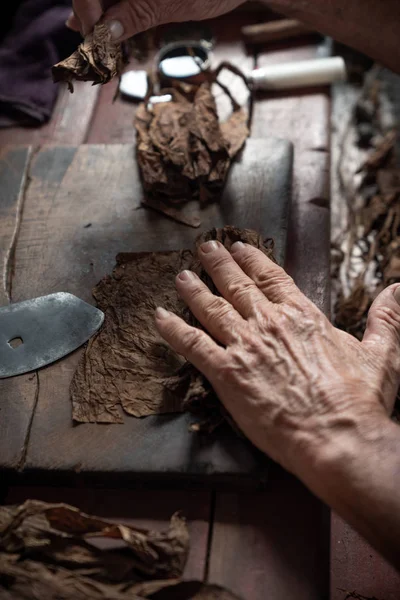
(53,551)
(127,364)
(369,253)
(61,534)
(183,151)
(98,59)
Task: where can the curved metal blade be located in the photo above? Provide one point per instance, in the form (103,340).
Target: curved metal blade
(44,330)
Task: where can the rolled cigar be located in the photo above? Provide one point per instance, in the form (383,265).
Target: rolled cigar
(274,31)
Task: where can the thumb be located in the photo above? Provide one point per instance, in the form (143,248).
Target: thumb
(129,17)
(383,325)
(382,337)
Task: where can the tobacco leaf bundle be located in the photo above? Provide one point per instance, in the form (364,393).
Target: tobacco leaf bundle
(97,59)
(54,551)
(183,151)
(127,364)
(375,235)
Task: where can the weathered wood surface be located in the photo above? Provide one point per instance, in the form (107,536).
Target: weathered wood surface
(271,545)
(355,566)
(303,118)
(72,187)
(17,397)
(280,539)
(69,124)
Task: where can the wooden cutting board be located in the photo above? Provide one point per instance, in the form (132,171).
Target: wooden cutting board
(67,212)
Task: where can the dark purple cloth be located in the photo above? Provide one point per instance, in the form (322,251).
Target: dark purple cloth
(37,40)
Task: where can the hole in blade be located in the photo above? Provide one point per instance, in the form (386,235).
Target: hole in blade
(16,342)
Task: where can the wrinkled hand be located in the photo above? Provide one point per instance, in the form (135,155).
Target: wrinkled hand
(291,381)
(129,17)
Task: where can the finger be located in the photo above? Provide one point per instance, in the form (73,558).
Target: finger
(383,325)
(219,317)
(88,13)
(382,336)
(195,345)
(73,23)
(269,277)
(229,278)
(129,17)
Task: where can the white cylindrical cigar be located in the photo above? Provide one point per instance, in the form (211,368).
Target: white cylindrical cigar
(305,73)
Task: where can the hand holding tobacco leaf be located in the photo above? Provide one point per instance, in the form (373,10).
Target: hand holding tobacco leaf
(97,59)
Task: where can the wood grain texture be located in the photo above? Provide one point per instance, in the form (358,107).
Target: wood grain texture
(148,509)
(355,566)
(271,545)
(113,120)
(303,118)
(281,539)
(69,123)
(17,397)
(71,188)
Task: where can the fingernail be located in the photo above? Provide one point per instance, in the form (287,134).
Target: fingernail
(161,313)
(209,246)
(69,21)
(397,295)
(116,29)
(186,276)
(236,247)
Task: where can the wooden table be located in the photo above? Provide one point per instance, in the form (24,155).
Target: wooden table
(273,544)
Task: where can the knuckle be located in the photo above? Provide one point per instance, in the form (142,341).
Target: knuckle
(237,288)
(389,317)
(220,261)
(275,276)
(198,293)
(217,307)
(193,340)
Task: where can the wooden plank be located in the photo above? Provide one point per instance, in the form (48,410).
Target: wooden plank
(146,509)
(282,536)
(272,544)
(17,397)
(355,566)
(69,123)
(100,185)
(113,120)
(303,118)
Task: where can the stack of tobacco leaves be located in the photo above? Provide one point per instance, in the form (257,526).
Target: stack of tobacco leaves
(183,151)
(56,552)
(369,260)
(127,364)
(97,59)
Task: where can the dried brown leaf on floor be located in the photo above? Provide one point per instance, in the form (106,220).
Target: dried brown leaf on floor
(54,552)
(61,534)
(127,365)
(97,59)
